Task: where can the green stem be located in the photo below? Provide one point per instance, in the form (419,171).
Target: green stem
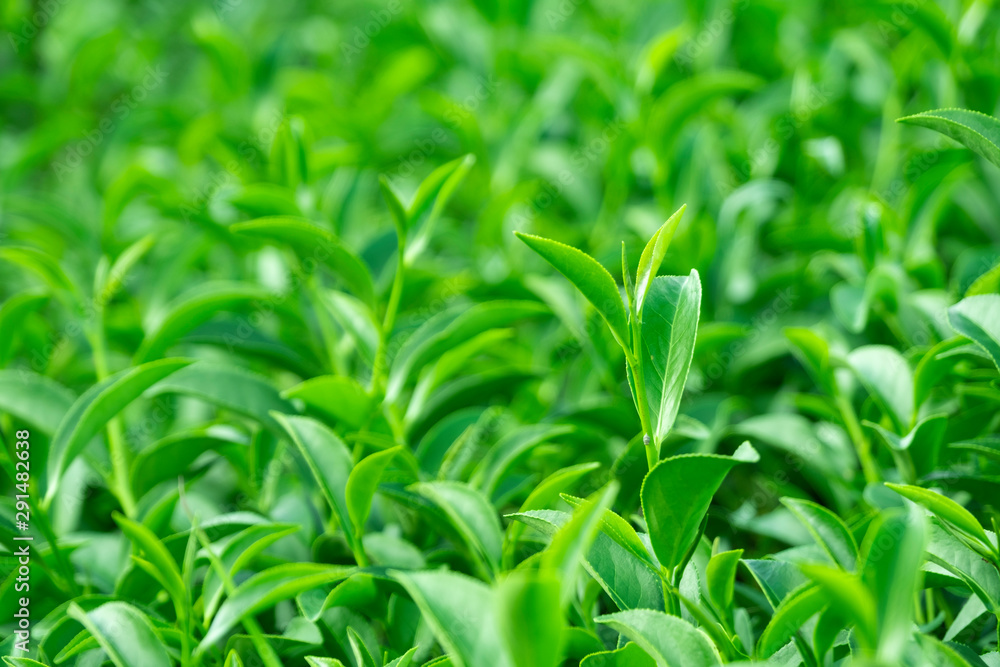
(634,360)
(378,366)
(264,649)
(671,602)
(121,455)
(861,444)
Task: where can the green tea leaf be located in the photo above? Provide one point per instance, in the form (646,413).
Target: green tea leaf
(125,634)
(173,455)
(238,551)
(194,307)
(828,530)
(41,264)
(34,398)
(339,397)
(530,617)
(945,508)
(676,495)
(978,319)
(848,597)
(720,578)
(328,459)
(776,578)
(652,256)
(313,244)
(572,541)
(95,408)
(592,279)
(892,553)
(669,329)
(462,613)
(889,380)
(396,208)
(404,660)
(620,530)
(789,616)
(13,312)
(227,386)
(671,641)
(814,353)
(627,580)
(164,569)
(949,553)
(265,589)
(473,516)
(362,484)
(976,131)
(512,446)
(629,655)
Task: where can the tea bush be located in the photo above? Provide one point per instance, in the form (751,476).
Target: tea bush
(500,333)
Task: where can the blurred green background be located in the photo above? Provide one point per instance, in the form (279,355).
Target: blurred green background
(590,122)
(774,122)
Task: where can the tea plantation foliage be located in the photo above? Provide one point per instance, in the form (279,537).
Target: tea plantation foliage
(500,333)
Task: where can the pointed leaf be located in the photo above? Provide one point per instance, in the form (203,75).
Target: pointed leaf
(265,589)
(165,567)
(336,396)
(571,543)
(652,256)
(888,378)
(592,279)
(945,508)
(462,613)
(362,483)
(828,530)
(676,495)
(629,655)
(125,634)
(978,319)
(194,307)
(327,457)
(797,608)
(530,616)
(671,641)
(96,407)
(227,386)
(669,331)
(473,516)
(976,131)
(313,243)
(720,577)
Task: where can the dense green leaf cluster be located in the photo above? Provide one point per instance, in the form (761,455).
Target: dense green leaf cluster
(482,333)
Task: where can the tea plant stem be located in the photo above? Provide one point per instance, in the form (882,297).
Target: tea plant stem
(378,366)
(861,444)
(121,459)
(634,360)
(266,651)
(671,603)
